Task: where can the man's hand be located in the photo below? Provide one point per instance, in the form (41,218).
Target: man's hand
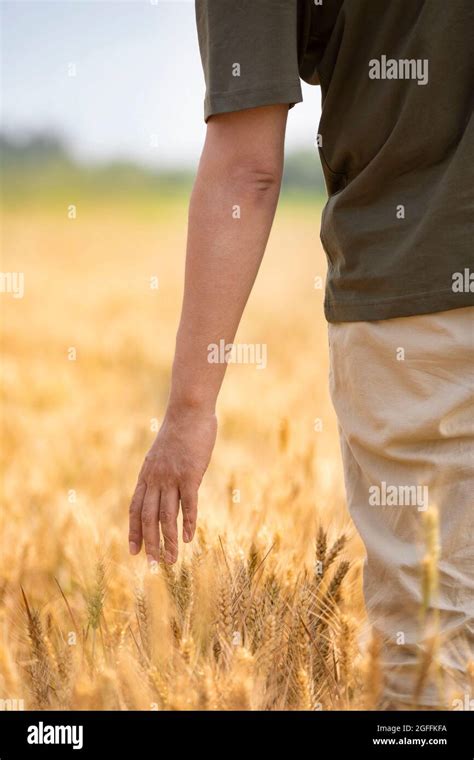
(171,473)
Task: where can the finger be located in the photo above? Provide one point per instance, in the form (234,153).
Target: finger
(169,507)
(189,504)
(135,519)
(150,527)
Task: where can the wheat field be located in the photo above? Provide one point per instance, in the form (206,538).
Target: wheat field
(264,609)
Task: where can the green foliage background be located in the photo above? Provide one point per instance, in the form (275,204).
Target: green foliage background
(41,169)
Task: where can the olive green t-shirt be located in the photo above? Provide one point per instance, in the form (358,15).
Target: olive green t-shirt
(396,135)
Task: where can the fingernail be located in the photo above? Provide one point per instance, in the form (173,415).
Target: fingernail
(150,559)
(168,558)
(133,548)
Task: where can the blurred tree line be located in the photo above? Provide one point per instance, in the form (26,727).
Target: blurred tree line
(40,167)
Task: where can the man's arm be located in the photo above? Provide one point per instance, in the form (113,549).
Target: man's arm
(241,165)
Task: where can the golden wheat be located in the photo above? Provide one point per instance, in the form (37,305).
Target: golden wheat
(245,620)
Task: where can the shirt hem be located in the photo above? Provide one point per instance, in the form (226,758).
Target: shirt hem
(404,306)
(240,100)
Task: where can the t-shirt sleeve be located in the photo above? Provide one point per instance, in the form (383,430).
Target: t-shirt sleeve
(249,53)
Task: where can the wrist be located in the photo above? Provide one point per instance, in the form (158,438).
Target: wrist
(193,403)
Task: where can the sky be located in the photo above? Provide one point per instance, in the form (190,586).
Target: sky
(138,87)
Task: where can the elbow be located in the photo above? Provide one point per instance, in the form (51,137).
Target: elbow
(256,179)
(247,149)
(262,179)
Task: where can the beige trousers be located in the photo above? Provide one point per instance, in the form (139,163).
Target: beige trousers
(403,393)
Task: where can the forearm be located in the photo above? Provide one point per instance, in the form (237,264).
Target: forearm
(230,217)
